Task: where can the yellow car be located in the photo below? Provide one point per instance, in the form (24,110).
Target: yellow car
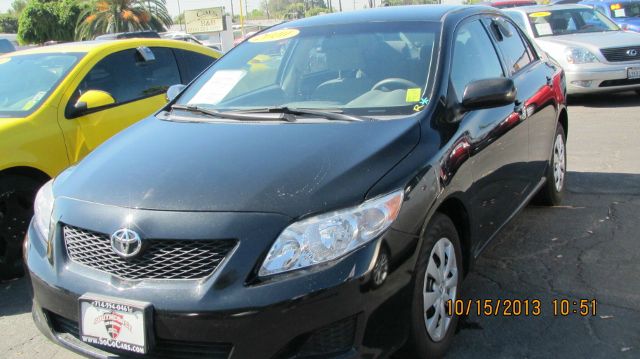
(58,103)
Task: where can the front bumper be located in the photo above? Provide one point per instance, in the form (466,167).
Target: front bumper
(596,78)
(226,314)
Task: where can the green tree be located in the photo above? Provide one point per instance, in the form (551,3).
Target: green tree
(46,20)
(178,19)
(316,11)
(111,16)
(17,6)
(8,24)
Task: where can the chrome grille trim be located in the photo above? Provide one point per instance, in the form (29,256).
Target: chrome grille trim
(159,259)
(619,54)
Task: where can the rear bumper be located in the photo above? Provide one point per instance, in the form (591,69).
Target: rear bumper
(601,78)
(279,319)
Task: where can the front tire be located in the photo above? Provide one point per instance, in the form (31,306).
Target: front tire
(16,209)
(437,286)
(552,192)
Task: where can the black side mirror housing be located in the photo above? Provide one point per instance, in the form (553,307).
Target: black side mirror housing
(488,93)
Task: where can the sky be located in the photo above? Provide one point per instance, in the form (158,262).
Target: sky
(172,5)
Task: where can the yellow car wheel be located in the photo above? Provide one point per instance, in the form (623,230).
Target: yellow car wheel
(16,209)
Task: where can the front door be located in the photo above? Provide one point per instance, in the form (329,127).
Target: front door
(138,87)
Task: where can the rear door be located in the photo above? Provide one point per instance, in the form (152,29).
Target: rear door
(192,63)
(138,87)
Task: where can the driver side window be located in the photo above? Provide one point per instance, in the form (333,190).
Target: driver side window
(474,57)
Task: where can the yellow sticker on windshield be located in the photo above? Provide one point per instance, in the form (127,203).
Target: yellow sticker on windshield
(413,94)
(540,14)
(5,60)
(275,35)
(33,101)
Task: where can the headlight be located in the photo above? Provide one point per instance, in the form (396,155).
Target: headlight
(329,236)
(578,55)
(43,208)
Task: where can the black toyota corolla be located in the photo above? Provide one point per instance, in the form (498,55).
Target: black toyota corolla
(320,191)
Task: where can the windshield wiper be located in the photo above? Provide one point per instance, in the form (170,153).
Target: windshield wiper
(333,115)
(230,115)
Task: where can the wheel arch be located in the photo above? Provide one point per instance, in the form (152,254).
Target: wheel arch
(26,171)
(563,119)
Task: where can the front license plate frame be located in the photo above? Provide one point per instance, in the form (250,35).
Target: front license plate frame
(633,73)
(115,323)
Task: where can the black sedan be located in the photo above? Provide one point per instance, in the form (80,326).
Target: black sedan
(320,191)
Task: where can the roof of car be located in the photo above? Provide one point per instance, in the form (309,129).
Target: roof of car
(530,9)
(391,13)
(508,2)
(607,1)
(100,45)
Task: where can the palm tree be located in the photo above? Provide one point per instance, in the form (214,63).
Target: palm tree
(111,16)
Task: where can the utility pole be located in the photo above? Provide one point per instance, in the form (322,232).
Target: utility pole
(232,11)
(180,14)
(340,5)
(241,19)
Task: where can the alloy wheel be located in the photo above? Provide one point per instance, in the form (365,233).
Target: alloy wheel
(559,163)
(440,288)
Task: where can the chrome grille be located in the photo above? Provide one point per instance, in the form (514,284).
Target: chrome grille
(619,54)
(159,259)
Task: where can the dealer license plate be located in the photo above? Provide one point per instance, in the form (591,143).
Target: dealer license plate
(633,73)
(115,323)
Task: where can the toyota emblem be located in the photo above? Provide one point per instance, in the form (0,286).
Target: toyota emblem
(632,52)
(126,243)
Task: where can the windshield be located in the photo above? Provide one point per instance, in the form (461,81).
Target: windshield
(625,10)
(569,21)
(362,69)
(6,46)
(27,80)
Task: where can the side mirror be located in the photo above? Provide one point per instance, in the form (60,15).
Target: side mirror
(92,100)
(488,93)
(174,91)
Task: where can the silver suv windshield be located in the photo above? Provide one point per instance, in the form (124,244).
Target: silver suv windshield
(28,80)
(569,21)
(363,69)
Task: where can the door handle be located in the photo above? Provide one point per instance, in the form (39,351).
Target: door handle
(549,81)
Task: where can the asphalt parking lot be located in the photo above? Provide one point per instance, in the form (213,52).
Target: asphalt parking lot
(588,248)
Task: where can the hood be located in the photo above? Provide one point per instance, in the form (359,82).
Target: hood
(629,23)
(7,122)
(593,41)
(292,169)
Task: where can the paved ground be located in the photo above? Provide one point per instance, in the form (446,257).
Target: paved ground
(588,248)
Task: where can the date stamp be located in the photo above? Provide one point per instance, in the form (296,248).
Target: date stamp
(521,307)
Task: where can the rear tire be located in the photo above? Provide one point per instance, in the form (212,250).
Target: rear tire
(552,192)
(17,194)
(438,278)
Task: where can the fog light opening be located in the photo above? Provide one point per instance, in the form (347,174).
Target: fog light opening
(582,83)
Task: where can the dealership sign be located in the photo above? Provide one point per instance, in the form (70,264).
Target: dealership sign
(204,20)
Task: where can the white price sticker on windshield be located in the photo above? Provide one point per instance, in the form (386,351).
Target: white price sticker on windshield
(619,13)
(544,29)
(218,86)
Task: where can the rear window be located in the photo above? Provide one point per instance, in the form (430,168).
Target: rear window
(625,10)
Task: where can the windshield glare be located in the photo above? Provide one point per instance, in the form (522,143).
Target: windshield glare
(362,69)
(27,80)
(569,21)
(625,10)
